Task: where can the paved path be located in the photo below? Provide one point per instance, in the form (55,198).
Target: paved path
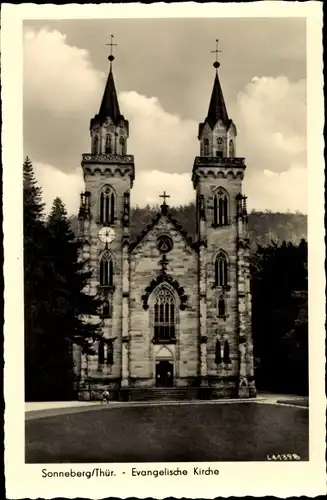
(47,405)
(53,408)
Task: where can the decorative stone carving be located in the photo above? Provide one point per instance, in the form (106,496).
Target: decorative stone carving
(107,158)
(218,160)
(163,277)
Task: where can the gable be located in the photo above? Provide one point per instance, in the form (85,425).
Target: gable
(162,225)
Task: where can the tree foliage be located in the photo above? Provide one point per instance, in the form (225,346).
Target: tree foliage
(34,277)
(279,316)
(73,309)
(57,311)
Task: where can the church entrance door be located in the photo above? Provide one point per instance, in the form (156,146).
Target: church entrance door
(164,374)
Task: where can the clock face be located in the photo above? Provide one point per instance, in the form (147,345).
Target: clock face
(106,234)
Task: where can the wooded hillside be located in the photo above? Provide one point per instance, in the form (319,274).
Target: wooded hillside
(265,227)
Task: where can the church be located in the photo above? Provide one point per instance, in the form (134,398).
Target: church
(176,313)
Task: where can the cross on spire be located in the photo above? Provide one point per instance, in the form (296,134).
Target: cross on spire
(216,63)
(164,196)
(111,44)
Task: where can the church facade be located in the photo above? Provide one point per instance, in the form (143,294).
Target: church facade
(176,313)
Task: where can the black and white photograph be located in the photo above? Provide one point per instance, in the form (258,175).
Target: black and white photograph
(164,181)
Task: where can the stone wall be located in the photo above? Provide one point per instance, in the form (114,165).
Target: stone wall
(223,376)
(106,375)
(144,267)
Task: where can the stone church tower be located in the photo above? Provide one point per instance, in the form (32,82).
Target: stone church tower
(176,314)
(105,229)
(224,275)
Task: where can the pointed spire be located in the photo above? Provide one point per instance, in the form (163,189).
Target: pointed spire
(109,104)
(217,107)
(109,107)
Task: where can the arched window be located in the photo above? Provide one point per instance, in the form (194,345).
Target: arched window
(108,144)
(164,315)
(231,148)
(220,208)
(220,147)
(221,307)
(122,145)
(101,352)
(206,147)
(95,145)
(226,352)
(106,270)
(218,353)
(107,206)
(221,270)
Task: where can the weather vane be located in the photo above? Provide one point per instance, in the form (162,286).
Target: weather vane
(216,64)
(111,44)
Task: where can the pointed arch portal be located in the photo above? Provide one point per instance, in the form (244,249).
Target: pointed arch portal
(164,368)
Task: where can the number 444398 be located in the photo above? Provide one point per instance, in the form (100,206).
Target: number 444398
(286,456)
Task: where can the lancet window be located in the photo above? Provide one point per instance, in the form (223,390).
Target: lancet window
(107,308)
(107,206)
(108,143)
(221,307)
(221,270)
(101,352)
(218,353)
(95,145)
(206,147)
(220,208)
(231,148)
(106,270)
(220,147)
(164,315)
(226,352)
(110,353)
(122,143)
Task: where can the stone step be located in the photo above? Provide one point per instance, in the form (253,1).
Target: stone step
(164,394)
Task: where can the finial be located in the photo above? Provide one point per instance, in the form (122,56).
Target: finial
(111,44)
(216,64)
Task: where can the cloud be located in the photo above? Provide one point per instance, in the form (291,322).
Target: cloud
(150,184)
(56,183)
(62,91)
(278,191)
(271,119)
(59,77)
(159,140)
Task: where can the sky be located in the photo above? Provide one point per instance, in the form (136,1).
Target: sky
(164,77)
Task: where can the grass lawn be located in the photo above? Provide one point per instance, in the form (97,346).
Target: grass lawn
(213,432)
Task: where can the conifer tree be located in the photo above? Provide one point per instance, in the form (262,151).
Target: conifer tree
(34,278)
(70,306)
